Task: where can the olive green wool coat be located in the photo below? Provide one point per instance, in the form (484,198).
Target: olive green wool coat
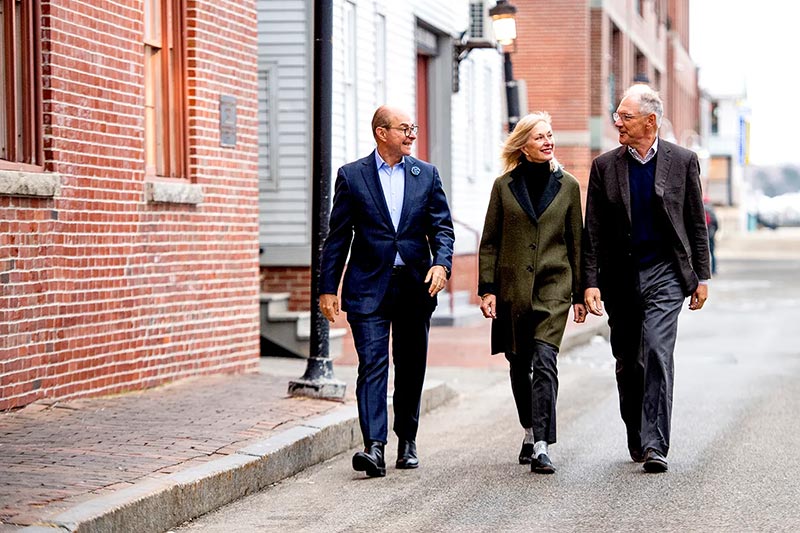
(531,264)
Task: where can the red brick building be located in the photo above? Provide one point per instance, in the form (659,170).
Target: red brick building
(128,194)
(577,57)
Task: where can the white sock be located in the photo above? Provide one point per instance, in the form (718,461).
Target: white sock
(529,438)
(539,447)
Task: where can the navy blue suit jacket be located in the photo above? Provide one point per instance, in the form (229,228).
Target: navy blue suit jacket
(361,225)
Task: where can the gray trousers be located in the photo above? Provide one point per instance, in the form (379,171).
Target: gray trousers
(534,383)
(643,332)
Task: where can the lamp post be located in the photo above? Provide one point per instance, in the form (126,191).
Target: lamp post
(505,31)
(318,380)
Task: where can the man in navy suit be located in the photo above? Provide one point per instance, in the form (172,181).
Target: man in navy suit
(645,250)
(390,213)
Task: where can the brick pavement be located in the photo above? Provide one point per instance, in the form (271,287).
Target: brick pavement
(54,456)
(58,454)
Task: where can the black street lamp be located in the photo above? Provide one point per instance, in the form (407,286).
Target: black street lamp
(505,31)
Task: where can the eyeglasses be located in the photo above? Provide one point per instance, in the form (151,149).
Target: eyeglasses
(625,118)
(407,130)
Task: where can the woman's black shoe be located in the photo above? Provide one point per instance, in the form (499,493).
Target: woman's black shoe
(526,454)
(542,465)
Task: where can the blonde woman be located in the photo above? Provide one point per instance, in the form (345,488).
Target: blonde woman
(529,276)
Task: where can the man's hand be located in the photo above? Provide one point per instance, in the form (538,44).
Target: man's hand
(489,305)
(329,305)
(699,297)
(591,297)
(579,312)
(437,276)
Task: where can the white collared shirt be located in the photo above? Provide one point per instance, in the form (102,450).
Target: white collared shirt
(651,153)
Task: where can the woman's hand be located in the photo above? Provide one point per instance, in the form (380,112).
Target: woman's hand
(579,310)
(489,305)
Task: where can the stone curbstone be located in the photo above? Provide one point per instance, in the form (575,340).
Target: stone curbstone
(156,505)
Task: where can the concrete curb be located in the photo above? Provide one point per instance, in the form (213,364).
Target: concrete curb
(156,505)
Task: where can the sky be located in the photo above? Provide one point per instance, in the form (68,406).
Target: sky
(755,46)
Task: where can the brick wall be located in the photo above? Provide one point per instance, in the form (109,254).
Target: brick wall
(291,279)
(100,290)
(553,57)
(465,276)
(566,52)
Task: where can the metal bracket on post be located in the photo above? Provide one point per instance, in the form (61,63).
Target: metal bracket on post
(461,48)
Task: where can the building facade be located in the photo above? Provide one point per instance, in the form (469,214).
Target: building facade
(383,52)
(577,57)
(725,127)
(128,195)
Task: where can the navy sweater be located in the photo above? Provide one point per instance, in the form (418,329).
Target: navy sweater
(648,233)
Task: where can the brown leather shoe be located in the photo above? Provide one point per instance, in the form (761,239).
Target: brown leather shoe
(370,460)
(407,455)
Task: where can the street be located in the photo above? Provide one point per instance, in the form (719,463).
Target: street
(733,466)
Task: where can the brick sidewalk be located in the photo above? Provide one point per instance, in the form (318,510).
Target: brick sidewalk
(64,453)
(55,456)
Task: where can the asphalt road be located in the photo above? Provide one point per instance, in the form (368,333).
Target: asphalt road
(734,462)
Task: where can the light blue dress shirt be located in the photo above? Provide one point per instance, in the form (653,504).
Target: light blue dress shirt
(393,183)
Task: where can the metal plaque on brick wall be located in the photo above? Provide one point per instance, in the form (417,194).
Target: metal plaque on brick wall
(227,120)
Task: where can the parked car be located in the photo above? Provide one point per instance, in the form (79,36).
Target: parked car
(777,211)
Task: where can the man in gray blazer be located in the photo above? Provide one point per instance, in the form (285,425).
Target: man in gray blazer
(645,250)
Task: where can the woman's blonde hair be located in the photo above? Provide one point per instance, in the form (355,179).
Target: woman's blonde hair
(512,148)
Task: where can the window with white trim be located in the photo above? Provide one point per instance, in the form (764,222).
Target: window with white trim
(268,127)
(165,82)
(350,85)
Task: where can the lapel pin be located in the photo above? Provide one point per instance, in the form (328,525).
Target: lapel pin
(415,170)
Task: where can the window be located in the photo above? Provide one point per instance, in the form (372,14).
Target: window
(489,120)
(350,73)
(476,18)
(641,74)
(380,59)
(165,96)
(614,89)
(268,127)
(21,86)
(715,117)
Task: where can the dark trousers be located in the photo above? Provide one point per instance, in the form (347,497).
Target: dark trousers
(643,332)
(406,311)
(534,383)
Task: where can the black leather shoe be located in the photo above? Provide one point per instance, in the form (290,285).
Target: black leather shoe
(655,462)
(526,454)
(542,464)
(407,455)
(637,455)
(370,460)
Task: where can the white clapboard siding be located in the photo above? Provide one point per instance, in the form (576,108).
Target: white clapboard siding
(476,112)
(284,45)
